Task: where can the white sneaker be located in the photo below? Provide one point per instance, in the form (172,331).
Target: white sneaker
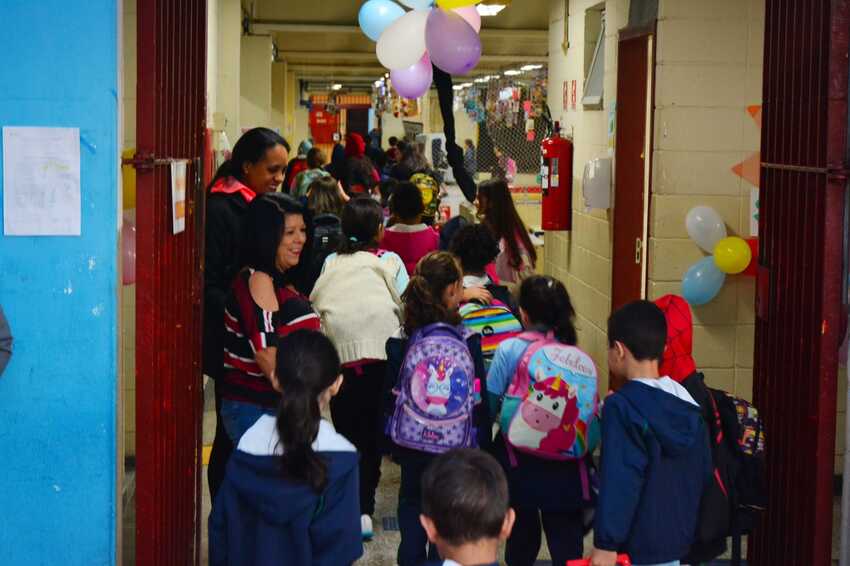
(366,527)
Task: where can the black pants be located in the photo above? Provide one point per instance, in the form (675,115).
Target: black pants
(221,448)
(564,535)
(357,412)
(414,548)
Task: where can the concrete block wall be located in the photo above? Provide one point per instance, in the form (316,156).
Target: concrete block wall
(708,71)
(582,258)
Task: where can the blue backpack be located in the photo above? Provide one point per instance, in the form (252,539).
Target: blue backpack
(435,395)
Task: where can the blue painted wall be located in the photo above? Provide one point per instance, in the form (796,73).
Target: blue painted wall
(58,67)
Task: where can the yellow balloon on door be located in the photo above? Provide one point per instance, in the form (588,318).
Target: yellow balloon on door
(732,255)
(451,4)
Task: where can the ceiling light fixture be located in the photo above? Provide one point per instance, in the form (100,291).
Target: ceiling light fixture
(336,86)
(531,67)
(490,9)
(512,73)
(457,87)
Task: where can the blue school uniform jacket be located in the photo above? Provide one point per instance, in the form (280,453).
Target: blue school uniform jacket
(260,519)
(655,464)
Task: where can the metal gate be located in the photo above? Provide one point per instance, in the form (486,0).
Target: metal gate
(799,303)
(171,111)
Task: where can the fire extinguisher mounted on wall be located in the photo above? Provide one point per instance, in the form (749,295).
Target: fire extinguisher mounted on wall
(556,173)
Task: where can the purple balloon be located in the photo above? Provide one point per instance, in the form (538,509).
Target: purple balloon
(415,80)
(453,44)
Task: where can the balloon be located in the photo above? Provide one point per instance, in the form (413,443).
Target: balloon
(732,255)
(454,46)
(705,227)
(376,15)
(403,43)
(418,4)
(702,282)
(471,15)
(451,4)
(128,248)
(415,80)
(752,269)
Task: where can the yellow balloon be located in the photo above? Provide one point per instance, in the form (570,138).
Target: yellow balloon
(732,255)
(451,4)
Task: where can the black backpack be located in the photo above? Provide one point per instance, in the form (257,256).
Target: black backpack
(327,237)
(737,491)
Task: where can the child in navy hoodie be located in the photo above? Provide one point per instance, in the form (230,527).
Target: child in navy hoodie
(465,508)
(290,495)
(655,454)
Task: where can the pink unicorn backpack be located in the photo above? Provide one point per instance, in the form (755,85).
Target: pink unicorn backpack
(551,408)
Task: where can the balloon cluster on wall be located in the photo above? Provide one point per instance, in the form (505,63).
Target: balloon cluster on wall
(731,255)
(409,42)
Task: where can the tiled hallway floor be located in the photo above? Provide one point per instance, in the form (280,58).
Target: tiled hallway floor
(379,552)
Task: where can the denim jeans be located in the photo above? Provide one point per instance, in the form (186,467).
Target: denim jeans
(239,417)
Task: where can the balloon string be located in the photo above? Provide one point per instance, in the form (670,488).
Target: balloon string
(454,153)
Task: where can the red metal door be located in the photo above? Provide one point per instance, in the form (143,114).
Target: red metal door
(799,305)
(633,155)
(171,111)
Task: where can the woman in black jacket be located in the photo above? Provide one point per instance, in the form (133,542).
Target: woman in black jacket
(257,166)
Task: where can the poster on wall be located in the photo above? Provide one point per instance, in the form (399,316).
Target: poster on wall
(41,181)
(178,196)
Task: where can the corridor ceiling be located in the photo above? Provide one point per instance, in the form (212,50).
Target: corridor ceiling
(320,39)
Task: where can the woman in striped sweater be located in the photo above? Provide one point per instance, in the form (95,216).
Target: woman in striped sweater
(263,305)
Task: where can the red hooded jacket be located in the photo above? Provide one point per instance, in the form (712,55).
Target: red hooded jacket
(678,361)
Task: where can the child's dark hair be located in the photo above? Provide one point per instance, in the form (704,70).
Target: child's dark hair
(641,327)
(406,202)
(316,158)
(502,218)
(362,219)
(465,494)
(475,247)
(250,148)
(387,188)
(546,302)
(264,227)
(324,197)
(307,364)
(423,298)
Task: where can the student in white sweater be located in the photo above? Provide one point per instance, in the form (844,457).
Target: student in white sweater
(358,297)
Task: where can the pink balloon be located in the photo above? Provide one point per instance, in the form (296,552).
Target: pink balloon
(128,248)
(415,80)
(453,44)
(471,15)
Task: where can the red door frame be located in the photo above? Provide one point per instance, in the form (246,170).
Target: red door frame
(171,110)
(799,301)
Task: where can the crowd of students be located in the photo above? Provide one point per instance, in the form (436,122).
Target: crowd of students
(322,300)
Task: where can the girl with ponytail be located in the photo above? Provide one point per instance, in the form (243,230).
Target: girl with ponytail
(290,493)
(432,298)
(547,491)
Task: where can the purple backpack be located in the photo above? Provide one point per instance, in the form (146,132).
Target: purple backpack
(433,409)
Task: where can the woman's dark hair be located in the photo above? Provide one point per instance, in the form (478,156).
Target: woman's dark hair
(406,202)
(423,298)
(469,143)
(546,302)
(475,247)
(307,364)
(264,226)
(316,158)
(324,198)
(250,148)
(362,219)
(393,141)
(502,218)
(412,159)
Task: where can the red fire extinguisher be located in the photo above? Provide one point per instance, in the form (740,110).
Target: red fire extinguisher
(556,173)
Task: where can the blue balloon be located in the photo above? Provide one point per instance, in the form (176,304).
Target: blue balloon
(418,4)
(702,282)
(376,15)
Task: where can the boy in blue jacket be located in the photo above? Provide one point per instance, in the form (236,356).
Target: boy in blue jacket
(655,453)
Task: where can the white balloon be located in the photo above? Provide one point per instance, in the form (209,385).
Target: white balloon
(403,43)
(417,4)
(705,227)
